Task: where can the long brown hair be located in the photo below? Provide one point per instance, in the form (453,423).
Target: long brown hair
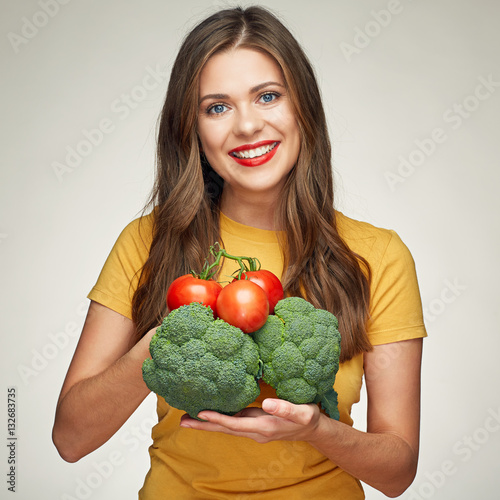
(317,263)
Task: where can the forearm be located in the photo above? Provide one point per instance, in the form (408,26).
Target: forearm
(96,407)
(384,461)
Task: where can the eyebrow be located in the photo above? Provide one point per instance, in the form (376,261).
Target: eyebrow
(253,90)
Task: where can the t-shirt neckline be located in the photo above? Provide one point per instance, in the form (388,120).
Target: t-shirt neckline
(247,232)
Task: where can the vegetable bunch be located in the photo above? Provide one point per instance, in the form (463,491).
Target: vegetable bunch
(202,359)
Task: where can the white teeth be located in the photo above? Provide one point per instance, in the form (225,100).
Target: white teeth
(253,153)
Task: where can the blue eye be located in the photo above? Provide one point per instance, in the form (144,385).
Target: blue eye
(269,97)
(217,109)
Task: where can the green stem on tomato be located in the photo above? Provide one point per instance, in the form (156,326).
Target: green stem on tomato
(209,270)
(247,264)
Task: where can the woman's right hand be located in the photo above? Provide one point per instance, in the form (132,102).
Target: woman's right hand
(104,384)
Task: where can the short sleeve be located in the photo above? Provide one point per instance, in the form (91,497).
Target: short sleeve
(119,276)
(396,306)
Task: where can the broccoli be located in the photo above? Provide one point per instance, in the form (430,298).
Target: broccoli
(199,363)
(300,346)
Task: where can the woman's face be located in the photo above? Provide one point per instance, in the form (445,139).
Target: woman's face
(246,125)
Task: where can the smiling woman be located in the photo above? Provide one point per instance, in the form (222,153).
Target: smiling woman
(243,112)
(248,132)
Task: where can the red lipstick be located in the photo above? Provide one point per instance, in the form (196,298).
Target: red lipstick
(258,160)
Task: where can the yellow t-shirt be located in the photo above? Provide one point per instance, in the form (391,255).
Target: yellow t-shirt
(191,464)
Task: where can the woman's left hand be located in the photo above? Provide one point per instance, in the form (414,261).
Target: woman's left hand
(277,420)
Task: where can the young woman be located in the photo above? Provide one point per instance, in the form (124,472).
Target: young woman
(244,159)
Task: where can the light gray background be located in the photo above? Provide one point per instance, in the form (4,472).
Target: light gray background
(66,68)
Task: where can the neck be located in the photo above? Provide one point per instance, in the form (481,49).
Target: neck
(250,209)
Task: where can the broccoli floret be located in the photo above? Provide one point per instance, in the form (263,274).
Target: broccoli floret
(300,347)
(198,363)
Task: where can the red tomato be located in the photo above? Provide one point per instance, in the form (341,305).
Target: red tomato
(243,304)
(186,289)
(269,282)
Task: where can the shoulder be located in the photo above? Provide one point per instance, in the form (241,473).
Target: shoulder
(131,248)
(395,303)
(375,244)
(356,230)
(119,276)
(137,234)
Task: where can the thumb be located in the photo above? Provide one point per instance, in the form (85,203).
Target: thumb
(270,405)
(280,408)
(300,414)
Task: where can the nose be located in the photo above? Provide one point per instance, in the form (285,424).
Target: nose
(247,121)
